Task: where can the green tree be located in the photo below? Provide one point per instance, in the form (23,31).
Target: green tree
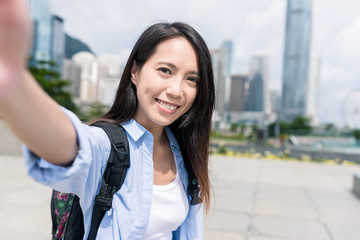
(301,125)
(356,134)
(329,127)
(253,135)
(49,80)
(271,129)
(234,127)
(97,109)
(284,128)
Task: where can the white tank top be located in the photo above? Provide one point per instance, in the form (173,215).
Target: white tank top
(169,209)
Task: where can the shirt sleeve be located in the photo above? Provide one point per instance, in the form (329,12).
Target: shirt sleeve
(83,176)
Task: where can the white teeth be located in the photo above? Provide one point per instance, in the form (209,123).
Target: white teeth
(167,106)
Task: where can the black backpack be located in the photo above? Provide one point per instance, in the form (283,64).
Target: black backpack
(66,213)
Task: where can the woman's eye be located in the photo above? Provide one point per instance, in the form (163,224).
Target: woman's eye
(165,70)
(193,79)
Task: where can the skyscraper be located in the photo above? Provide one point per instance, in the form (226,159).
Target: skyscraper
(219,79)
(222,62)
(109,74)
(72,72)
(99,77)
(313,88)
(41,20)
(257,96)
(89,75)
(57,47)
(226,52)
(296,59)
(48,38)
(237,96)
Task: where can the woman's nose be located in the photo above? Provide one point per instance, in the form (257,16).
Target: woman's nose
(175,87)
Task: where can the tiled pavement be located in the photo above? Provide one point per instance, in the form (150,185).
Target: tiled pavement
(281,200)
(253,200)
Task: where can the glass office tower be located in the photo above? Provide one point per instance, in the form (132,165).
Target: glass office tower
(226,52)
(40,12)
(57,47)
(257,97)
(296,59)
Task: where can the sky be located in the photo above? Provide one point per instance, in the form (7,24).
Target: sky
(113,26)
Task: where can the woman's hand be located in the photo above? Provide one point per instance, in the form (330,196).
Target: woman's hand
(14,44)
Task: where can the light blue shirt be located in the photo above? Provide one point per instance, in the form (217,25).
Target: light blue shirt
(129,215)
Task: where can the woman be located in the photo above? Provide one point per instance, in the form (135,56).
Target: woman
(164,102)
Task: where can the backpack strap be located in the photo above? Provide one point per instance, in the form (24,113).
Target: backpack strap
(193,188)
(114,175)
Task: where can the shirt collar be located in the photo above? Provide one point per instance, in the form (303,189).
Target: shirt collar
(136,131)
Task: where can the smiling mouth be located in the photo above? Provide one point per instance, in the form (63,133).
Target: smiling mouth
(166,104)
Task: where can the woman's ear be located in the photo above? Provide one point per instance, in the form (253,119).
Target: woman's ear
(134,72)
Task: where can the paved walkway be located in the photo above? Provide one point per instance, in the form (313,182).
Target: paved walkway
(253,200)
(280,200)
(24,204)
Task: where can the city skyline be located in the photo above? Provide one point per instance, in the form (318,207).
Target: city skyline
(116,25)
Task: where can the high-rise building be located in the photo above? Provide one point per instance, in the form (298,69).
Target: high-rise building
(222,62)
(109,75)
(109,66)
(48,38)
(99,78)
(226,52)
(57,47)
(72,72)
(40,13)
(237,97)
(296,59)
(219,80)
(237,94)
(274,101)
(257,95)
(313,91)
(89,75)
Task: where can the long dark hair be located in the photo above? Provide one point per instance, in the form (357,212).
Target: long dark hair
(192,130)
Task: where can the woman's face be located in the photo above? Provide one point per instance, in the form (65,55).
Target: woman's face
(166,85)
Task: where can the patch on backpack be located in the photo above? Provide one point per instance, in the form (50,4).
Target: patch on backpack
(63,203)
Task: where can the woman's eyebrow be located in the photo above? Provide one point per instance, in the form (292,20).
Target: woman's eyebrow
(195,73)
(169,65)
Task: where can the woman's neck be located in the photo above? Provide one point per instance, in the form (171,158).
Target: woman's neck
(159,135)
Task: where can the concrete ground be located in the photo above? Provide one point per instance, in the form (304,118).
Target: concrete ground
(282,200)
(24,204)
(253,200)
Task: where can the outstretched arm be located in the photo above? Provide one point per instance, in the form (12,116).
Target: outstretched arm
(32,115)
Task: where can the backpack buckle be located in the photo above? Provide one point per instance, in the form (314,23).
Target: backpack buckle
(104,198)
(121,152)
(194,194)
(193,191)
